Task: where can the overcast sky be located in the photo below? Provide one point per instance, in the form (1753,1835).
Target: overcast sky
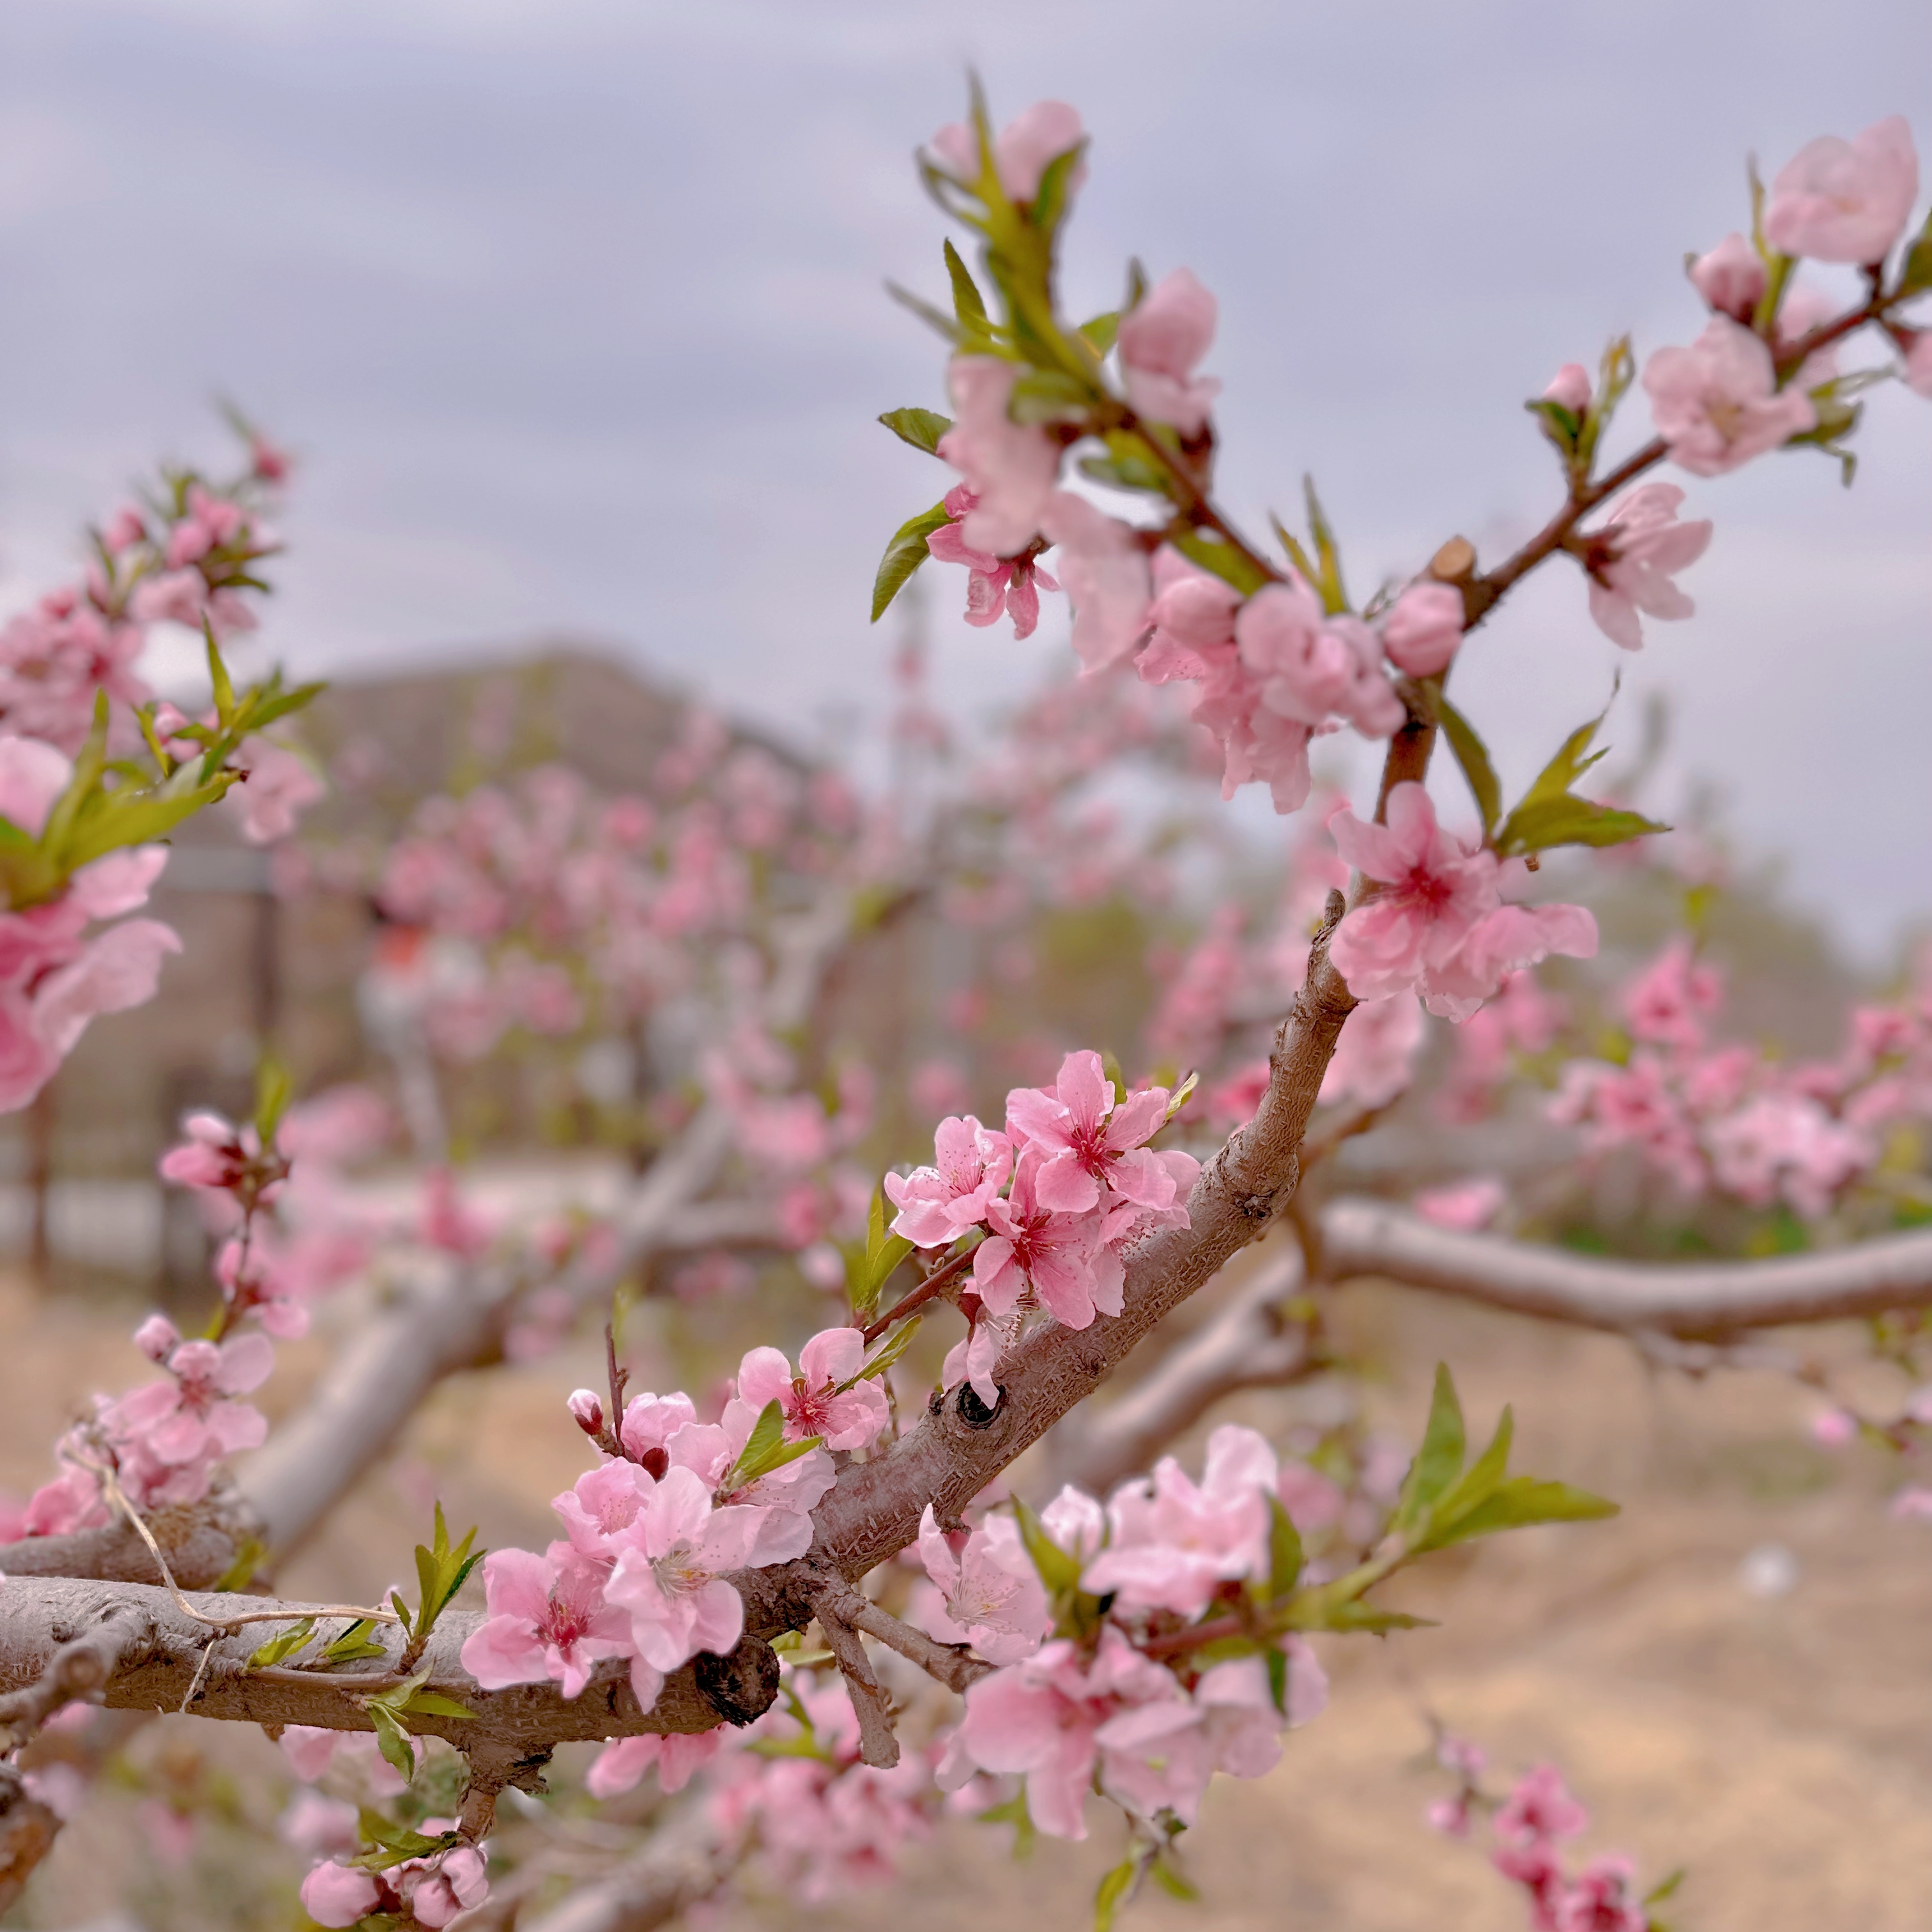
(573,313)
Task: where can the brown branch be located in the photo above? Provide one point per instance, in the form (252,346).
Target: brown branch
(114,1632)
(200,1543)
(1705,1300)
(681,1864)
(952,1664)
(940,1279)
(878,1742)
(28,1829)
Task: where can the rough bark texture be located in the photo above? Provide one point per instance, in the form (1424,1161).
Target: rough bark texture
(27,1831)
(201,1542)
(1704,1300)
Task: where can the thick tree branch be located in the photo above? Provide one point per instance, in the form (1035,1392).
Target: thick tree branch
(682,1864)
(1697,1301)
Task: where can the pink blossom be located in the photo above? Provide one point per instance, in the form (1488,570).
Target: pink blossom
(1913,1502)
(782,1499)
(1464,1206)
(1602,1898)
(1784,1144)
(1731,278)
(1160,342)
(1423,630)
(1311,1499)
(1845,201)
(1717,403)
(650,1421)
(277,787)
(814,1401)
(1633,558)
(1310,665)
(1062,1258)
(334,1894)
(1667,1002)
(600,1504)
(433,1891)
(997,585)
(546,1620)
(1433,891)
(1010,467)
(992,1597)
(1104,567)
(1833,1428)
(623,1762)
(1502,943)
(32,775)
(1175,1543)
(1042,1717)
(1571,387)
(1918,363)
(72,1500)
(157,1338)
(1088,1144)
(1374,1059)
(170,1434)
(975,1357)
(1541,1808)
(1021,150)
(937,1204)
(670,1570)
(318,1826)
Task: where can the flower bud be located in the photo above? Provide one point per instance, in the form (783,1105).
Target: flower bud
(1421,633)
(1571,388)
(588,1411)
(1730,277)
(157,1338)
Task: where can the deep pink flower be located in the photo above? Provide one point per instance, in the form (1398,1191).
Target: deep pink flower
(992,1596)
(1541,1808)
(1421,633)
(1433,890)
(1061,1257)
(1717,403)
(937,1204)
(1602,1898)
(1845,201)
(1010,467)
(1633,557)
(1160,342)
(997,585)
(546,1620)
(1088,1143)
(812,1400)
(1103,565)
(1730,277)
(670,1570)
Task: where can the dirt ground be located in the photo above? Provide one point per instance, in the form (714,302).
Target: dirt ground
(1779,1745)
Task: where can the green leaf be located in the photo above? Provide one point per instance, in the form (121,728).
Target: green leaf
(1561,426)
(271,1097)
(934,319)
(1171,1879)
(241,1573)
(1665,1888)
(1917,273)
(1058,1569)
(1571,821)
(1473,755)
(1327,557)
(1049,203)
(889,1352)
(354,1644)
(1180,1095)
(904,555)
(1476,1485)
(1214,553)
(434,1704)
(393,1742)
(1013,1812)
(1113,1891)
(283,1643)
(922,428)
(968,304)
(401,1609)
(766,1449)
(1439,1461)
(217,675)
(1277,1675)
(1522,1500)
(1284,1551)
(1050,396)
(1100,332)
(1364,1618)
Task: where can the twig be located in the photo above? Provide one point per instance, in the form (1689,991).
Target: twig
(878,1743)
(939,1278)
(953,1665)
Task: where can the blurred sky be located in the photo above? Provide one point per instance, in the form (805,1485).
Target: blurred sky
(573,313)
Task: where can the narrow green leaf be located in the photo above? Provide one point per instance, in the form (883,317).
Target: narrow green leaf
(1473,756)
(1214,554)
(1277,1674)
(1180,1095)
(904,555)
(889,1352)
(1917,273)
(933,318)
(271,1097)
(217,675)
(1439,1461)
(1171,1879)
(1058,1571)
(241,1573)
(922,428)
(434,1704)
(393,1742)
(1522,1500)
(401,1609)
(1101,332)
(1365,1619)
(354,1644)
(1570,821)
(1477,1483)
(283,1643)
(1113,1890)
(1328,556)
(1665,1888)
(1291,544)
(968,304)
(1049,203)
(1284,1551)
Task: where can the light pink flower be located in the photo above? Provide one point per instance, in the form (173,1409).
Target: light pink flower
(1717,403)
(937,1204)
(812,1400)
(1667,1004)
(1571,387)
(670,1571)
(1845,201)
(32,775)
(1633,557)
(1464,1206)
(1160,343)
(975,1355)
(1374,1059)
(1730,277)
(997,585)
(623,1762)
(278,786)
(1021,150)
(1501,942)
(1088,1143)
(783,1499)
(1434,890)
(1103,565)
(1311,666)
(318,1826)
(602,1503)
(993,1598)
(1918,361)
(1061,1257)
(335,1895)
(1541,1808)
(170,1434)
(546,1620)
(1010,467)
(1175,1542)
(651,1420)
(1422,632)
